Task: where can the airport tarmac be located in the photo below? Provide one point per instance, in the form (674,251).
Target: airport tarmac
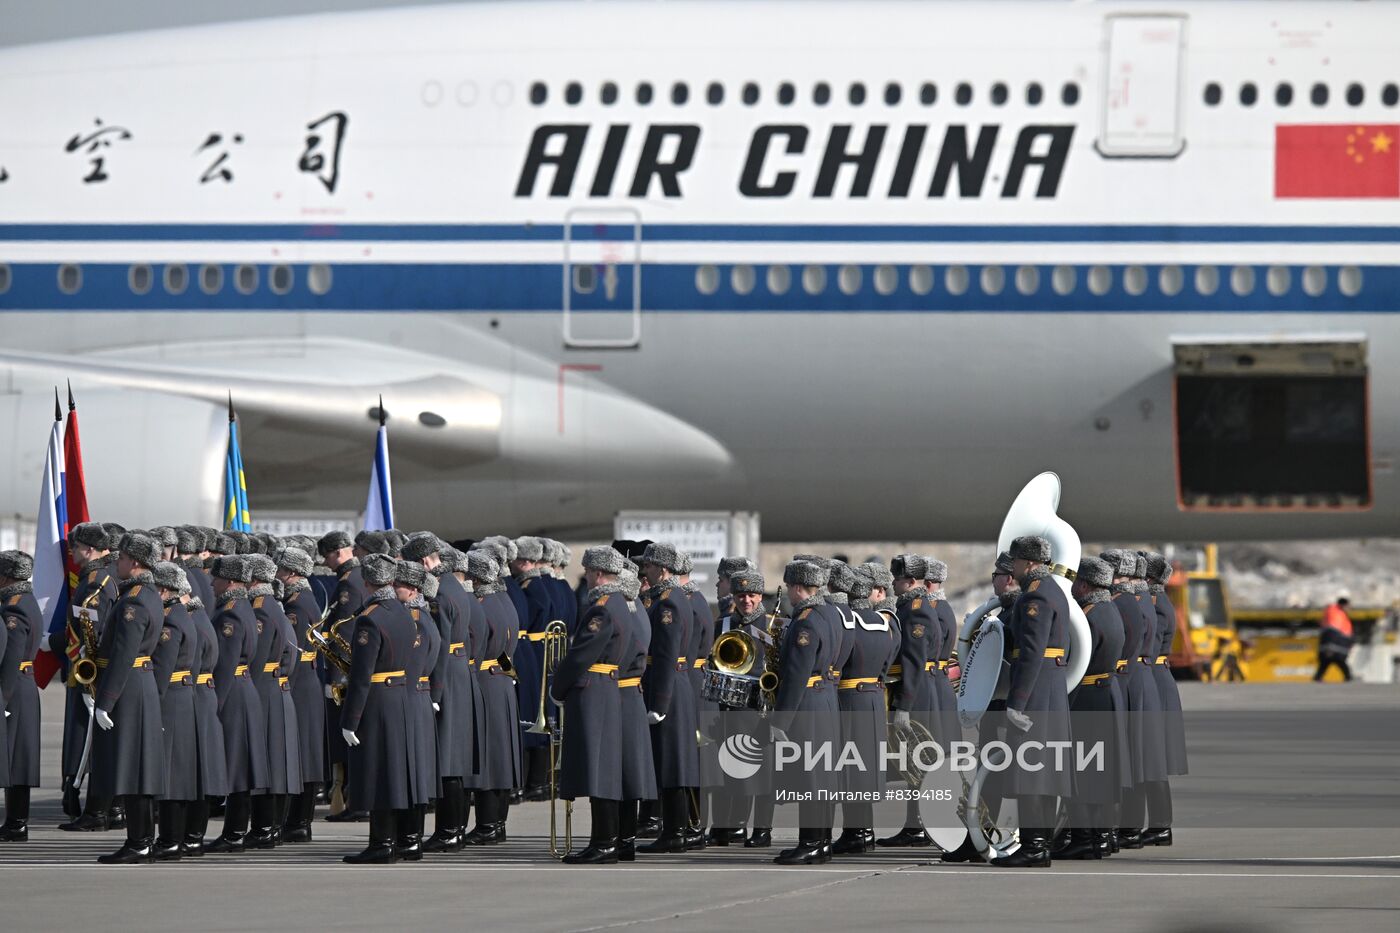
(1288,821)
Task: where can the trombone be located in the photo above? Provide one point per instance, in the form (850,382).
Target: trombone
(83,673)
(556,643)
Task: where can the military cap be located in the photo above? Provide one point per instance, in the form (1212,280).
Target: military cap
(729,566)
(188,541)
(114,534)
(482,566)
(603,559)
(208,534)
(1030,547)
(746,581)
(1159,569)
(1122,562)
(420,544)
(233,567)
(262,567)
(805,573)
(631,583)
(879,574)
(496,551)
(550,548)
(410,573)
(223,544)
(429,586)
(453,560)
(530,548)
(168,576)
(840,576)
(333,541)
(506,544)
(378,569)
(566,555)
(141,548)
(907,565)
(91,534)
(1139,566)
(271,544)
(295,560)
(1095,571)
(374,542)
(395,539)
(861,585)
(629,548)
(1003,564)
(164,535)
(811,559)
(662,555)
(935,570)
(16,565)
(687,565)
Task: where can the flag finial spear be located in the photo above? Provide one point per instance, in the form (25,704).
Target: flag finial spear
(381,411)
(230,407)
(72,405)
(57,408)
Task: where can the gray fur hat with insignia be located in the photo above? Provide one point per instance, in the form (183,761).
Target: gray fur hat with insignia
(1124,563)
(262,567)
(1139,566)
(165,534)
(429,587)
(687,565)
(861,585)
(1159,569)
(395,539)
(566,556)
(746,581)
(378,569)
(935,570)
(188,541)
(233,568)
(333,541)
(410,573)
(1003,563)
(805,573)
(114,534)
(296,561)
(729,566)
(17,565)
(604,559)
(662,555)
(168,576)
(811,559)
(453,560)
(420,544)
(482,566)
(373,542)
(552,551)
(501,541)
(223,544)
(495,550)
(907,565)
(1095,571)
(1030,547)
(840,577)
(209,535)
(631,583)
(879,574)
(528,547)
(91,534)
(141,548)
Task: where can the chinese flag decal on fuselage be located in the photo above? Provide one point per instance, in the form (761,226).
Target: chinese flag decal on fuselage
(1337,160)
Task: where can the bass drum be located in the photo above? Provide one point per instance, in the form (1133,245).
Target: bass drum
(985,674)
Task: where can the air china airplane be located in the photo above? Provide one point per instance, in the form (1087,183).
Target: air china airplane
(862,267)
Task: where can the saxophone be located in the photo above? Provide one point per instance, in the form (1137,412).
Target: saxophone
(337,653)
(84,670)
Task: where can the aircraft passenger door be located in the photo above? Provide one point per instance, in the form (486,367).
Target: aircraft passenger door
(1142,92)
(602,278)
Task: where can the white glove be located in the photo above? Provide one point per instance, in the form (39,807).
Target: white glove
(351,739)
(437,708)
(653,717)
(7,714)
(1018,719)
(44,643)
(330,692)
(103,719)
(778,735)
(89,702)
(901,717)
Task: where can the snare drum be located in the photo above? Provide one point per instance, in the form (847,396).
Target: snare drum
(730,691)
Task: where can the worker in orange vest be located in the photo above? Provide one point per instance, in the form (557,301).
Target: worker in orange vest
(1335,640)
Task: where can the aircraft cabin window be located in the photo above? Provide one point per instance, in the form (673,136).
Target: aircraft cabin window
(892,94)
(1283,94)
(1314,280)
(1319,95)
(1028,280)
(644,93)
(4,277)
(999,94)
(848,279)
(70,278)
(279,279)
(821,93)
(538,93)
(608,93)
(585,279)
(1034,94)
(741,279)
(886,279)
(139,277)
(1242,280)
(715,93)
(1069,94)
(786,93)
(707,279)
(245,279)
(920,280)
(1390,95)
(1100,279)
(963,94)
(1170,280)
(779,280)
(1064,279)
(814,280)
(856,95)
(680,93)
(956,280)
(1135,280)
(1349,281)
(177,278)
(1248,94)
(573,93)
(928,93)
(1356,95)
(1212,94)
(750,94)
(1207,280)
(318,278)
(211,278)
(1278,281)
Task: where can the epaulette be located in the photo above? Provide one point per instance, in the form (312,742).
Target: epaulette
(92,575)
(136,589)
(526,584)
(258,602)
(1035,585)
(603,600)
(14,600)
(227,606)
(805,613)
(370,608)
(917,603)
(665,594)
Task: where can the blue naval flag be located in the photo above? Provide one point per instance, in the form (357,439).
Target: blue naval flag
(236,515)
(379,506)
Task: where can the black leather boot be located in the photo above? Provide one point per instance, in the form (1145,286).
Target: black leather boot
(16,828)
(116,817)
(1129,839)
(966,852)
(140,834)
(908,837)
(409,842)
(813,848)
(447,834)
(169,844)
(301,811)
(673,824)
(490,819)
(760,838)
(1082,844)
(97,818)
(238,810)
(196,823)
(264,815)
(72,801)
(853,842)
(380,850)
(648,819)
(1157,837)
(603,841)
(725,837)
(1033,853)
